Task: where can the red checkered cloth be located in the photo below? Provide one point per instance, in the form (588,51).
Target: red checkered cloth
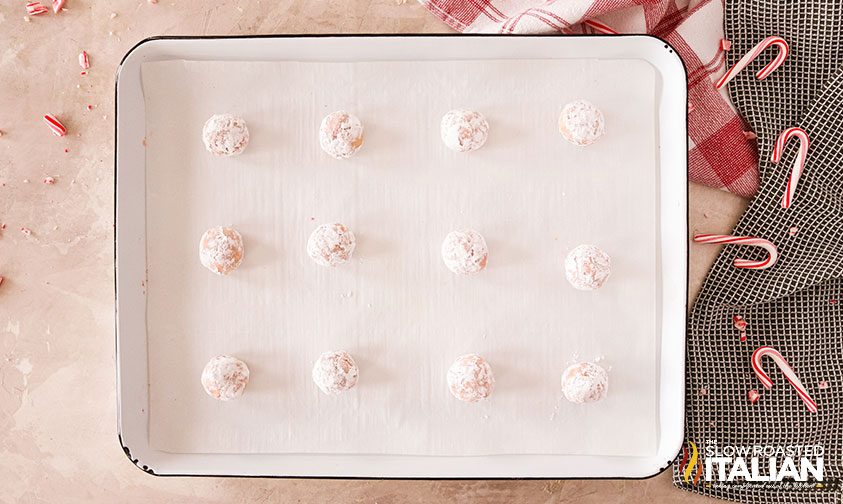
(722,153)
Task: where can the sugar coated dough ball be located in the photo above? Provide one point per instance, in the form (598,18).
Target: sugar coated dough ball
(581,123)
(587,267)
(225,135)
(465,252)
(470,378)
(341,134)
(331,244)
(464,130)
(584,383)
(225,377)
(221,250)
(335,372)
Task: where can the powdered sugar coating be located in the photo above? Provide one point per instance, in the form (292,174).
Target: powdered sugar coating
(581,123)
(470,378)
(587,267)
(464,130)
(225,135)
(225,377)
(465,252)
(335,372)
(585,382)
(341,134)
(221,250)
(331,244)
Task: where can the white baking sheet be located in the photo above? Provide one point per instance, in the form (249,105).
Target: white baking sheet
(396,308)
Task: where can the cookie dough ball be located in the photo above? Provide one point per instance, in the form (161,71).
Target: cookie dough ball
(465,252)
(335,372)
(584,383)
(587,267)
(470,378)
(331,244)
(225,135)
(464,130)
(221,250)
(341,134)
(581,123)
(225,377)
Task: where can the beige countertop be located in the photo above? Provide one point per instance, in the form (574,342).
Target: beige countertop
(58,428)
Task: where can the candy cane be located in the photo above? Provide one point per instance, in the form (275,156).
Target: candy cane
(599,27)
(744,240)
(55,125)
(774,354)
(779,42)
(35,8)
(84,61)
(798,164)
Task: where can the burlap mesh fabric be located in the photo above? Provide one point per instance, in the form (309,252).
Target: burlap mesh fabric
(797,305)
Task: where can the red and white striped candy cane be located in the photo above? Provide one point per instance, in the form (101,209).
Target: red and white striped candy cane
(599,27)
(35,8)
(55,125)
(798,164)
(742,63)
(744,240)
(774,354)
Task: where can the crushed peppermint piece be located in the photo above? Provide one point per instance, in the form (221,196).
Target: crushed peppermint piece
(690,107)
(26,231)
(84,61)
(823,385)
(1,280)
(35,8)
(740,325)
(703,391)
(55,125)
(90,107)
(793,230)
(49,180)
(832,302)
(83,72)
(750,135)
(725,44)
(112,15)
(57,6)
(753,396)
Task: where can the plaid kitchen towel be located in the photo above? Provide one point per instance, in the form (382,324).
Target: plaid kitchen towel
(796,306)
(722,151)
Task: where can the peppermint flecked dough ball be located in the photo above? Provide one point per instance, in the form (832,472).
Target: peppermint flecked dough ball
(335,372)
(587,267)
(221,250)
(470,378)
(225,135)
(584,383)
(331,244)
(465,252)
(341,134)
(581,123)
(464,130)
(225,377)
